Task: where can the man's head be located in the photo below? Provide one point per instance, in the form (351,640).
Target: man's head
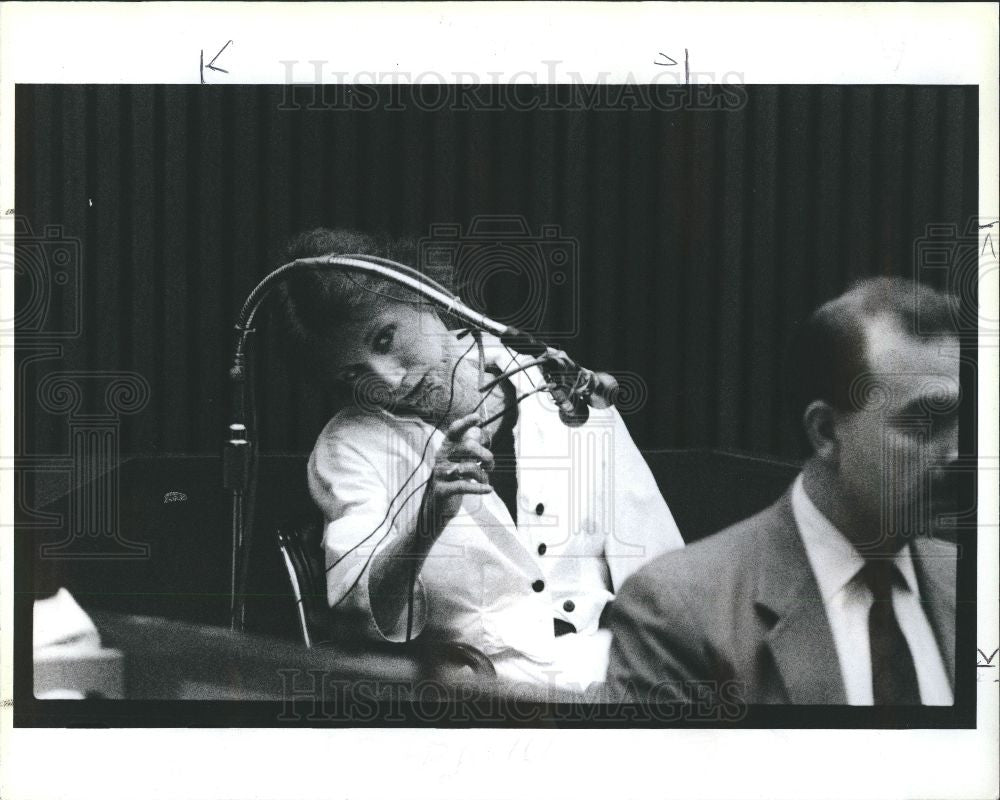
(367,339)
(874,381)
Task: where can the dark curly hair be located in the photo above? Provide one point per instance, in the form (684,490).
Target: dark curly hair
(308,306)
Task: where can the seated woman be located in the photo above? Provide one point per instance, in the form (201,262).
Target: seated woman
(456,509)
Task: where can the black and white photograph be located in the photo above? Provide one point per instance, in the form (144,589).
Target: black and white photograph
(541,401)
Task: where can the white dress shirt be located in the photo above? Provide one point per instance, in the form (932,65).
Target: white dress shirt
(589,514)
(847,601)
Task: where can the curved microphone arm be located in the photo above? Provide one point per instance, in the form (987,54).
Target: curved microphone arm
(573,388)
(369,265)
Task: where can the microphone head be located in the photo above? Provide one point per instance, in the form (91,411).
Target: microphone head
(575,418)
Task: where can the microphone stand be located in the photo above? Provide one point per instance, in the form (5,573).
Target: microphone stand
(573,388)
(236,481)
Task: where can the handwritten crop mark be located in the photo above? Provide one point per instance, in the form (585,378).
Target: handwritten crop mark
(989,661)
(989,238)
(211,64)
(989,241)
(669,62)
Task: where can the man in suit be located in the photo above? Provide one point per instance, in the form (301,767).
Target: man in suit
(838,593)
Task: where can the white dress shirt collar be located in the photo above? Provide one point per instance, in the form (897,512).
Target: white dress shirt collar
(847,602)
(833,559)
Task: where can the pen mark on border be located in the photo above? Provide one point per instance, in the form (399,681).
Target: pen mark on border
(670,62)
(211,64)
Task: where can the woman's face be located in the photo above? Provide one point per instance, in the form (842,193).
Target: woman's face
(403,359)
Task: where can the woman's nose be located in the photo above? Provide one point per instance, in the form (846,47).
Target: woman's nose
(387,369)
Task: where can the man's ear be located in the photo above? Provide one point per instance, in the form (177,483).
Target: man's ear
(818,422)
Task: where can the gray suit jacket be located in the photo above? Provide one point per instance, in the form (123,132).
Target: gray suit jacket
(741,610)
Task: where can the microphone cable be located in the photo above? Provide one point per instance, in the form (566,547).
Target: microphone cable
(423,455)
(413,571)
(427,288)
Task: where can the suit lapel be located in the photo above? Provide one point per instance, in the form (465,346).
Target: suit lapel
(799,639)
(935,565)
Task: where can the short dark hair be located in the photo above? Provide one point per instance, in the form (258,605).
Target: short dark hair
(310,304)
(826,352)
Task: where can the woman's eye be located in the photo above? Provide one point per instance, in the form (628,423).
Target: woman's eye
(383,342)
(347,376)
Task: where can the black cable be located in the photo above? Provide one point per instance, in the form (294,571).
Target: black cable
(245,365)
(510,373)
(423,455)
(372,555)
(240,374)
(513,359)
(517,401)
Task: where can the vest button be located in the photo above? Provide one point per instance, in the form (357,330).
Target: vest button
(540,509)
(538,585)
(541,549)
(569,605)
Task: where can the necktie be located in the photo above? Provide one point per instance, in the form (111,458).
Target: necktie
(894,676)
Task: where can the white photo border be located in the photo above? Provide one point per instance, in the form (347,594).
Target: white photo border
(804,43)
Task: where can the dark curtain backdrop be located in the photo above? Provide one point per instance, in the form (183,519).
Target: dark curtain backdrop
(701,234)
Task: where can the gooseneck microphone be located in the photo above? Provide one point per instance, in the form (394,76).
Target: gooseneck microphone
(573,388)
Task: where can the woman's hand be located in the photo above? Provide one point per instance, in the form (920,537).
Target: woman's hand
(461,468)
